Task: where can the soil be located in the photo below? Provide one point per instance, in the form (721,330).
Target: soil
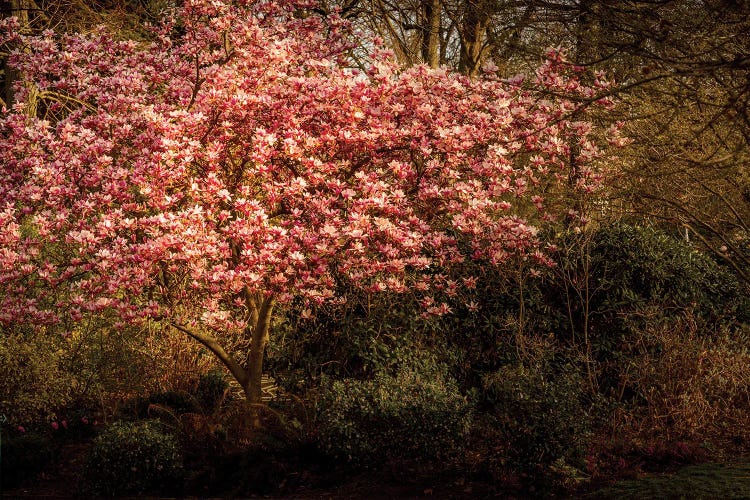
(414,481)
(61,482)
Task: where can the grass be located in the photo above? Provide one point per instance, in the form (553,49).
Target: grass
(707,481)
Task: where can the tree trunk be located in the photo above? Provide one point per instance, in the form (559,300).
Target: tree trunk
(249,377)
(473,30)
(19,9)
(260,335)
(431,33)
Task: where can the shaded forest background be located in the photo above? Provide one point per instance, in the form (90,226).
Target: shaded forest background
(629,355)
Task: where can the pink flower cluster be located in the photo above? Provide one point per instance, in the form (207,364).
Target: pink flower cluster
(58,425)
(242,157)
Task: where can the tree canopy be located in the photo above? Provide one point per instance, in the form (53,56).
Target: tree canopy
(236,162)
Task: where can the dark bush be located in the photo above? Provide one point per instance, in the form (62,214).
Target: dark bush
(614,281)
(132,458)
(631,267)
(24,456)
(166,403)
(411,413)
(211,391)
(542,415)
(349,341)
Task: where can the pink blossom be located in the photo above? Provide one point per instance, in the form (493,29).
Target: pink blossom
(200,196)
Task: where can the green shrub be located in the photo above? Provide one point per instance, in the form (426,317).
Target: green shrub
(632,267)
(510,301)
(408,414)
(614,281)
(541,415)
(33,381)
(24,456)
(132,458)
(342,341)
(172,403)
(211,390)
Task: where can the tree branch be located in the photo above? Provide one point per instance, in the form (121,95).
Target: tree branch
(213,345)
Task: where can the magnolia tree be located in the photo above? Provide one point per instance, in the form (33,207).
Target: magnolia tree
(235,163)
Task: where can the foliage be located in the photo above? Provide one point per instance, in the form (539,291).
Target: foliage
(543,416)
(412,413)
(132,458)
(168,360)
(23,456)
(369,334)
(382,332)
(174,401)
(633,266)
(110,363)
(211,391)
(489,330)
(95,367)
(684,385)
(34,382)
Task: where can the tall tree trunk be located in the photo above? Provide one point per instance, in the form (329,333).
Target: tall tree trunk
(473,32)
(431,12)
(19,9)
(260,335)
(250,376)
